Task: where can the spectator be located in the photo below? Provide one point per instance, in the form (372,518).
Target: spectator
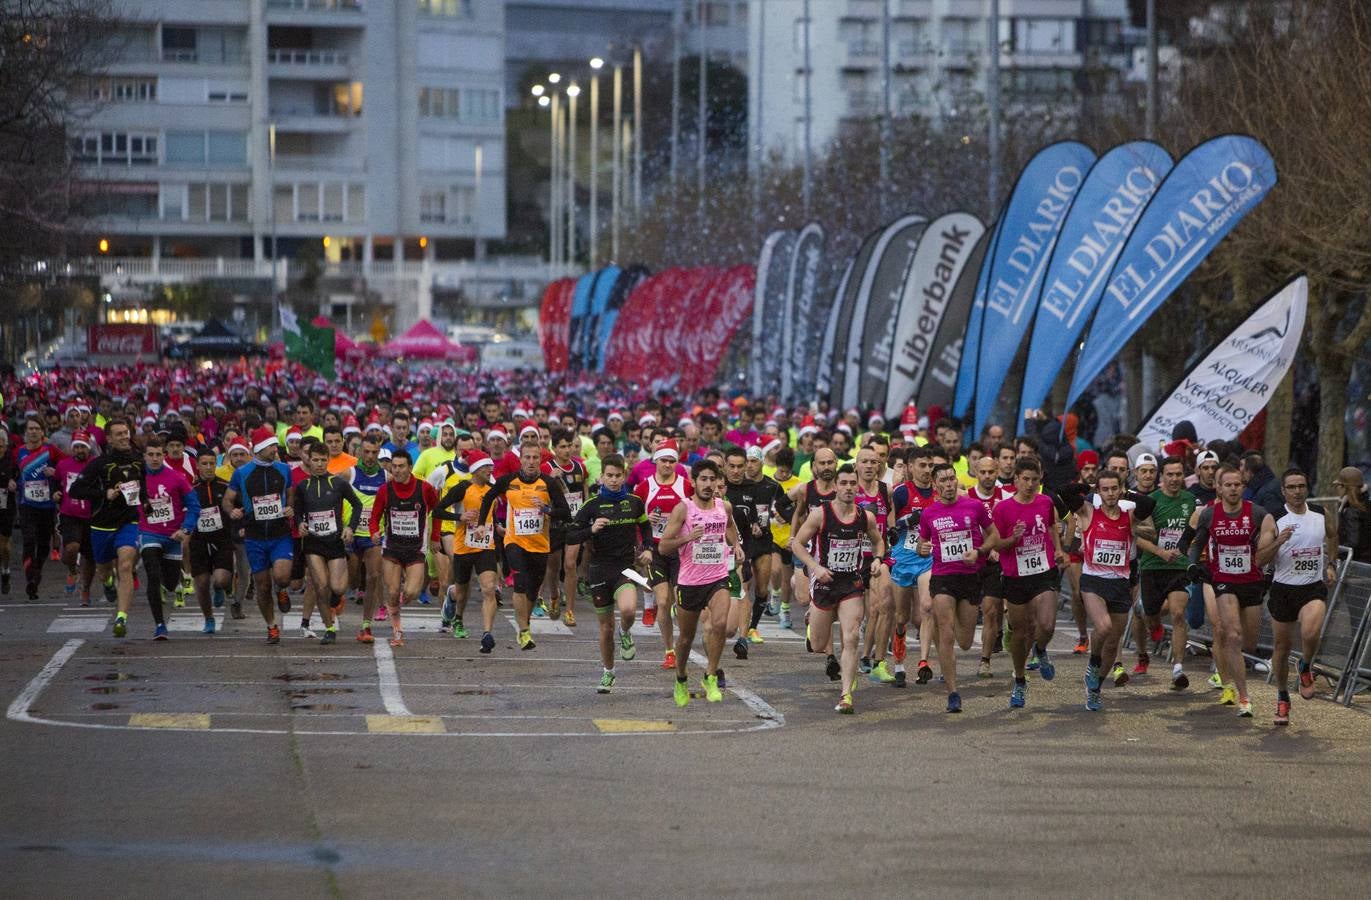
(1262,487)
(1354,513)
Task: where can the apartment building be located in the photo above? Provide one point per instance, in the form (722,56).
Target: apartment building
(372,128)
(1051,51)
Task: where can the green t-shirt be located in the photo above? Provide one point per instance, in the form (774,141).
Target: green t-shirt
(1171,517)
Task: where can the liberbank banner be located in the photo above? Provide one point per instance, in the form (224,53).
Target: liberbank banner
(1037,209)
(947,245)
(1235,380)
(773,270)
(1202,200)
(1107,208)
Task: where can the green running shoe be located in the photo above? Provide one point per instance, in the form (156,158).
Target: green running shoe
(682,693)
(606,683)
(627,649)
(711,686)
(120,626)
(458,629)
(881,674)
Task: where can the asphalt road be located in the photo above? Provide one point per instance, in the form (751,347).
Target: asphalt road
(220,766)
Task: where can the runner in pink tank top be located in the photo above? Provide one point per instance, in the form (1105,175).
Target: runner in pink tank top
(702,533)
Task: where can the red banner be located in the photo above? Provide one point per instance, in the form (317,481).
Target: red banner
(554,322)
(128,342)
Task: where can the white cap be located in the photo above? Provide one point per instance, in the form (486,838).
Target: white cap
(1145,459)
(1206,456)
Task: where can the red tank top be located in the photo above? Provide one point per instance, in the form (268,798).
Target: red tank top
(1107,545)
(1232,557)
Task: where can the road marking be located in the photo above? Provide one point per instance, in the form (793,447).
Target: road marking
(631,726)
(180,721)
(78,624)
(19,709)
(389,681)
(770,716)
(405,724)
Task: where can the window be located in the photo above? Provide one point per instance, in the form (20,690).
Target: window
(178,44)
(212,202)
(433,206)
(124,90)
(963,37)
(1038,36)
(438,103)
(307,202)
(1039,82)
(1105,33)
(356,203)
(186,148)
(449,8)
(333,203)
(227,148)
(115,148)
(481,106)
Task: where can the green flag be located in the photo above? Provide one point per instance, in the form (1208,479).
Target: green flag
(309,345)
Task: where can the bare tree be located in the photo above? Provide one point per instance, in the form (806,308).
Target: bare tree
(1293,74)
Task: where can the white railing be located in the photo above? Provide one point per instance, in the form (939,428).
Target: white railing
(320,5)
(448,272)
(318,163)
(307,57)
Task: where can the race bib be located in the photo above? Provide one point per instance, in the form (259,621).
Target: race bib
(911,540)
(159,510)
(1112,554)
(764,517)
(71,479)
(1169,538)
(322,523)
(211,519)
(268,507)
(479,537)
(130,491)
(1306,560)
(575,502)
(708,553)
(1030,560)
(1235,560)
(37,491)
(659,526)
(527,522)
(954,545)
(842,555)
(404,523)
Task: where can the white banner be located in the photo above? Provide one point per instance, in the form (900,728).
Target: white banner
(1235,380)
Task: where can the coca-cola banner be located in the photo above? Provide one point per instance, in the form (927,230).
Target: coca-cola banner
(116,344)
(554,323)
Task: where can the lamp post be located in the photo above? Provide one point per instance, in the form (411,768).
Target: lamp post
(614,164)
(637,132)
(595,64)
(573,91)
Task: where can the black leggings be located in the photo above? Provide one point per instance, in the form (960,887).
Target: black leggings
(154,564)
(36,525)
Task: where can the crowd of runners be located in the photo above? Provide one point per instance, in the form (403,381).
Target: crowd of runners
(701,516)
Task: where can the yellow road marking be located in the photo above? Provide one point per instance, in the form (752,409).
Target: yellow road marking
(405,725)
(628,726)
(169,720)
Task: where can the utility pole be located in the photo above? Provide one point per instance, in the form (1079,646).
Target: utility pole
(701,137)
(756,139)
(992,93)
(615,164)
(1151,125)
(637,133)
(675,91)
(809,107)
(884,178)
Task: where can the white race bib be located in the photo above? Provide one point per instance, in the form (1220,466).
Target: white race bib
(575,502)
(321,523)
(71,479)
(404,523)
(1235,560)
(708,553)
(130,491)
(211,519)
(527,522)
(659,527)
(1111,554)
(1306,560)
(1169,538)
(37,491)
(479,537)
(159,510)
(1030,560)
(842,555)
(954,545)
(764,517)
(267,508)
(911,539)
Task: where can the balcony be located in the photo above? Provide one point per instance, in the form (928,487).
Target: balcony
(308,64)
(335,13)
(863,54)
(916,52)
(326,163)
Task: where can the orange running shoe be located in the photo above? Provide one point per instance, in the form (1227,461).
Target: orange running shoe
(669,661)
(364,636)
(650,616)
(1082,646)
(898,648)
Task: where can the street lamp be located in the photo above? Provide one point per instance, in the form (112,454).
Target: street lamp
(595,64)
(537,90)
(554,78)
(573,91)
(544,102)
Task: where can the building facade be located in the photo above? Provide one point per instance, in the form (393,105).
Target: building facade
(935,52)
(373,129)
